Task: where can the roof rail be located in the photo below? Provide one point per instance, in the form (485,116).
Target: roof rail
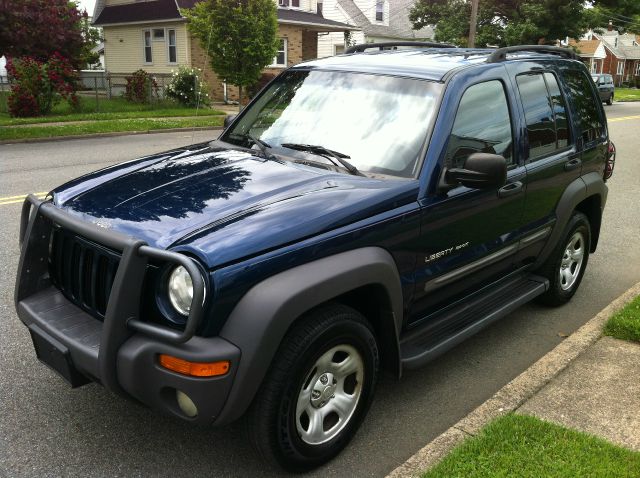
(501,53)
(394,44)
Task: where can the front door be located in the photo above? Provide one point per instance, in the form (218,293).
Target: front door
(469,236)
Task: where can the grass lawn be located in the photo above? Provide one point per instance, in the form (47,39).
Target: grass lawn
(626,323)
(109,109)
(525,447)
(108,126)
(627,94)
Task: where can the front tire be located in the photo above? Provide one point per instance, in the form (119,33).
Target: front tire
(317,391)
(610,100)
(566,265)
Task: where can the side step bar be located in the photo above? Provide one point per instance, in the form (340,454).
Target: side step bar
(452,326)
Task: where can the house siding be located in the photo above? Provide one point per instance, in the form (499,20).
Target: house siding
(301,45)
(327,43)
(124,51)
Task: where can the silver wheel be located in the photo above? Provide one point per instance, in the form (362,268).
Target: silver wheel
(572,259)
(329,395)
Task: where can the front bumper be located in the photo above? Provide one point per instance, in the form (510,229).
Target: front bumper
(122,351)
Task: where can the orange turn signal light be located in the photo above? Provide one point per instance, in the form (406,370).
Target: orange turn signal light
(195,369)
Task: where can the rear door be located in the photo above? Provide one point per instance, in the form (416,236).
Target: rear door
(550,150)
(469,236)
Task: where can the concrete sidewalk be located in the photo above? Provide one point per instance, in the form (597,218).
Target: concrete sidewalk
(599,393)
(589,383)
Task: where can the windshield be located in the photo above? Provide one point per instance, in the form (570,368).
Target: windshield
(379,123)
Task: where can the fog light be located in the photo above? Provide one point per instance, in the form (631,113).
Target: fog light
(186,404)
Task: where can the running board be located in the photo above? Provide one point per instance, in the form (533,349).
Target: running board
(454,325)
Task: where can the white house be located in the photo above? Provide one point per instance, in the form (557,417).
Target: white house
(379,20)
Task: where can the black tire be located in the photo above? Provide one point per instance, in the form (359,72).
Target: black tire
(272,421)
(560,290)
(610,100)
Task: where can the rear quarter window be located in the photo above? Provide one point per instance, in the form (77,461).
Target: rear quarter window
(586,102)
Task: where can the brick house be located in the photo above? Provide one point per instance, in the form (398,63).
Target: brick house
(152,35)
(616,54)
(379,21)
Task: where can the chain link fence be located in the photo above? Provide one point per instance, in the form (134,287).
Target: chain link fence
(97,86)
(100,85)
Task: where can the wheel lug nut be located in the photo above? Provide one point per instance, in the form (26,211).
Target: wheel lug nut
(315,394)
(324,379)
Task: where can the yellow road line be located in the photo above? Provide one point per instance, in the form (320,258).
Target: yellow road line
(624,118)
(19,199)
(22,196)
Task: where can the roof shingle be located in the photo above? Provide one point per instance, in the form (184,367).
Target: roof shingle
(156,10)
(150,11)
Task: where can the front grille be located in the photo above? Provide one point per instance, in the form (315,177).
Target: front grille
(84,271)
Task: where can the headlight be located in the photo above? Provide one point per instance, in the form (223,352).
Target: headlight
(180,289)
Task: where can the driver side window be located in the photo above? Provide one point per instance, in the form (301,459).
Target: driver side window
(482,125)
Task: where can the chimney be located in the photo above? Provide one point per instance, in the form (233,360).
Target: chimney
(610,27)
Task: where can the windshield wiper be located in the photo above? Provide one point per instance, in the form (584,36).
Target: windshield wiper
(331,155)
(262,145)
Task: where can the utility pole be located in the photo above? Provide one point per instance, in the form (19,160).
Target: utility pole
(472,23)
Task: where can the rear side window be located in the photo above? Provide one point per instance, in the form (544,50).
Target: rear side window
(586,104)
(559,111)
(539,115)
(482,125)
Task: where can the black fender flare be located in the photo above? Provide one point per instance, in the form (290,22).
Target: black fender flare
(578,190)
(262,317)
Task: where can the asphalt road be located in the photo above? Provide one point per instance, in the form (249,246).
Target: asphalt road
(47,429)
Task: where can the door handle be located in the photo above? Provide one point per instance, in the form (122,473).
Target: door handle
(510,189)
(572,164)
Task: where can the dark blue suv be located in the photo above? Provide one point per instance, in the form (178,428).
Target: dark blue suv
(365,212)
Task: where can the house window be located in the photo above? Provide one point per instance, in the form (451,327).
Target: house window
(148,56)
(379,11)
(295,3)
(638,69)
(319,8)
(173,52)
(286,3)
(620,70)
(338,49)
(158,34)
(280,59)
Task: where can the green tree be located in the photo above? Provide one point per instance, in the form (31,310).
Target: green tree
(624,14)
(39,28)
(239,36)
(502,22)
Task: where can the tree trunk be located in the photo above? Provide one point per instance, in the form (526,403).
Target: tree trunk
(239,98)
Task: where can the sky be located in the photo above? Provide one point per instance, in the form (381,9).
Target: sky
(87,5)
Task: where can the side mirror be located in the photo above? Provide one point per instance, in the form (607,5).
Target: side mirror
(481,171)
(228,120)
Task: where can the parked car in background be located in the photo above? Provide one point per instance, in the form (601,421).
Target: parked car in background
(605,87)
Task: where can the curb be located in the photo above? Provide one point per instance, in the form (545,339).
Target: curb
(516,392)
(109,135)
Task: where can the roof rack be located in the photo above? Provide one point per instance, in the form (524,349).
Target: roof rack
(395,44)
(501,53)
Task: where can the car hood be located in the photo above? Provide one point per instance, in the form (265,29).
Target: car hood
(224,204)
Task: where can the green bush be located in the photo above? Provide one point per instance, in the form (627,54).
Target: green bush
(141,87)
(36,86)
(188,88)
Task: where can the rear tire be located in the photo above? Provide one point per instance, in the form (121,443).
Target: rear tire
(566,265)
(317,391)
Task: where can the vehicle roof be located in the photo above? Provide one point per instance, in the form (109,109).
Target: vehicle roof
(426,63)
